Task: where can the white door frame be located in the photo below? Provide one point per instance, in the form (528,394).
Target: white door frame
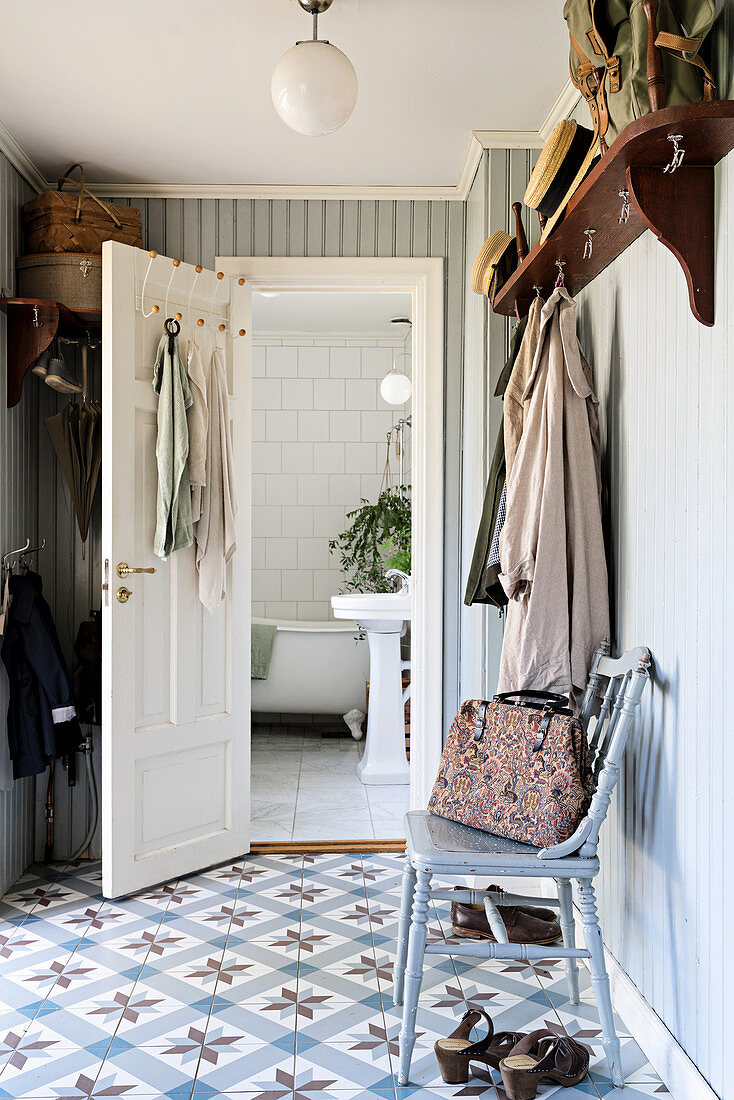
(423,279)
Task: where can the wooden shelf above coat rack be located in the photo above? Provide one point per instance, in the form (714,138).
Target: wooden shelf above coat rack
(677,206)
(32,325)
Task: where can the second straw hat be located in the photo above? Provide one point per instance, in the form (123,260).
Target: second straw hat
(495,262)
(564,161)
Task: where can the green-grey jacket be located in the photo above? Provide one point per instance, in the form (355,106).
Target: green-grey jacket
(483,585)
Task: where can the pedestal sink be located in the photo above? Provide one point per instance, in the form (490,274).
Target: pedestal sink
(382,615)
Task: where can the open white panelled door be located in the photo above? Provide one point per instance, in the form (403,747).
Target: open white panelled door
(176,678)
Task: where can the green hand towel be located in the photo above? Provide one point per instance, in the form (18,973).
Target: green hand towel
(263,637)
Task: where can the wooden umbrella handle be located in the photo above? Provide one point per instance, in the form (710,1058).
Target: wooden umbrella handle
(522,241)
(655,72)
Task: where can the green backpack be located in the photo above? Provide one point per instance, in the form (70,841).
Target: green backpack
(608,57)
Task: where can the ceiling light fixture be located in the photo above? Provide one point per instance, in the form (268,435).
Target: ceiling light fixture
(314,86)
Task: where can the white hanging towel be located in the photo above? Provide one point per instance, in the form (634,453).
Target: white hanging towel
(197,420)
(215,529)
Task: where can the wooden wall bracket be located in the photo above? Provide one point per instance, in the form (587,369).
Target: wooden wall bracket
(32,325)
(678,206)
(660,200)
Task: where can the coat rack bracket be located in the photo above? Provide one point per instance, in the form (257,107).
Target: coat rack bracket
(32,325)
(677,205)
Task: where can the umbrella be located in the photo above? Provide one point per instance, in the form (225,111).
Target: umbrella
(76,435)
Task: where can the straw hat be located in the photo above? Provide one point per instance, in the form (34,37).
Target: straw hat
(562,165)
(497,256)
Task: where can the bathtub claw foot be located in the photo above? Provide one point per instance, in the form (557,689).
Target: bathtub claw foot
(354,719)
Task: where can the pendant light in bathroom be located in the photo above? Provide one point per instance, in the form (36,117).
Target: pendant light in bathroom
(396,388)
(314,86)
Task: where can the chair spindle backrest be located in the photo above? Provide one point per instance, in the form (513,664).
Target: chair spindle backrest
(626,678)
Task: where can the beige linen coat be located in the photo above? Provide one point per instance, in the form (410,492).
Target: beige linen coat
(514,409)
(553,562)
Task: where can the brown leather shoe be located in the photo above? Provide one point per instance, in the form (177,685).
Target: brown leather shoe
(533,910)
(470,922)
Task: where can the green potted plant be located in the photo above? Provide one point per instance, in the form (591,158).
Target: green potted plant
(377,539)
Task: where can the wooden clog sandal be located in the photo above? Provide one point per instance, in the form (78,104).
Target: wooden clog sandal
(456,1052)
(543,1055)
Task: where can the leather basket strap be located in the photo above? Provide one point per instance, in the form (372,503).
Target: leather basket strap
(66,178)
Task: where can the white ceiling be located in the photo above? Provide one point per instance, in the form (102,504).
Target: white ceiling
(330,311)
(178,91)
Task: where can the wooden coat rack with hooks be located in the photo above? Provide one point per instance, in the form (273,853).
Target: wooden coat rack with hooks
(658,175)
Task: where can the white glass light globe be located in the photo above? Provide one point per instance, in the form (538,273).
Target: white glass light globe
(396,388)
(314,88)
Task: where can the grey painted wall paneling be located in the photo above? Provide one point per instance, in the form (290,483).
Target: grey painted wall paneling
(668,410)
(18,462)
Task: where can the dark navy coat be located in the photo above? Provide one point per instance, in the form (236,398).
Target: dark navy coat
(42,721)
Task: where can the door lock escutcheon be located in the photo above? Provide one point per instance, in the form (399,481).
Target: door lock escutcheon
(123,594)
(124,570)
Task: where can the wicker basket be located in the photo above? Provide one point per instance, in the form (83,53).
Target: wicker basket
(72,278)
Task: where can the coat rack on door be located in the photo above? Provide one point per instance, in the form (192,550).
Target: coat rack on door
(221,327)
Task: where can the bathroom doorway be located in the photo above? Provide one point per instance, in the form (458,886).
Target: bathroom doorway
(329,450)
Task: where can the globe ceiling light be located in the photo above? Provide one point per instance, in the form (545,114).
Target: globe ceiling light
(395,387)
(314,86)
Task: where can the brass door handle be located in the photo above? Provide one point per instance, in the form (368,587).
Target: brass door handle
(124,570)
(123,595)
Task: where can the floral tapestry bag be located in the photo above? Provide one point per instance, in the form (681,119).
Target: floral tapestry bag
(517,767)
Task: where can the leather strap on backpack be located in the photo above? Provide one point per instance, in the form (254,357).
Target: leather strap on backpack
(66,178)
(583,78)
(686,49)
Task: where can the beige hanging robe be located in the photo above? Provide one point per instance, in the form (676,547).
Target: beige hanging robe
(215,529)
(553,562)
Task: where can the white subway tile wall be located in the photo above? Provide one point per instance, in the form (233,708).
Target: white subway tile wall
(319,435)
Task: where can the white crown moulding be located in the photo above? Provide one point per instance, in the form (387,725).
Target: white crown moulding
(478,141)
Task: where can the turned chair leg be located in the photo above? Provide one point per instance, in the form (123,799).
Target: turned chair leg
(568,928)
(414,972)
(406,904)
(600,979)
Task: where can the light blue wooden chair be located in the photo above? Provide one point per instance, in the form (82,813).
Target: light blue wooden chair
(436,846)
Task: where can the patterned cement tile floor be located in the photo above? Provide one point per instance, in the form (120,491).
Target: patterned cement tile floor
(267,979)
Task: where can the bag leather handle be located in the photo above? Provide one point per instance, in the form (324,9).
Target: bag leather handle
(550,697)
(66,178)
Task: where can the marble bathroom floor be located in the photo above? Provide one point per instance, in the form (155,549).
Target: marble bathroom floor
(269,978)
(305,787)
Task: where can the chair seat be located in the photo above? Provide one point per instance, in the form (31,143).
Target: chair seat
(436,844)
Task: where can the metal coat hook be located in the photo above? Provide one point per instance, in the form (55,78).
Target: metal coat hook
(537,290)
(678,154)
(34,550)
(176,263)
(197,272)
(36,322)
(589,244)
(625,213)
(560,280)
(13,553)
(153,309)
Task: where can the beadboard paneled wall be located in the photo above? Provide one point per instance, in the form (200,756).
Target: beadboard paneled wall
(667,414)
(500,180)
(667,404)
(18,464)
